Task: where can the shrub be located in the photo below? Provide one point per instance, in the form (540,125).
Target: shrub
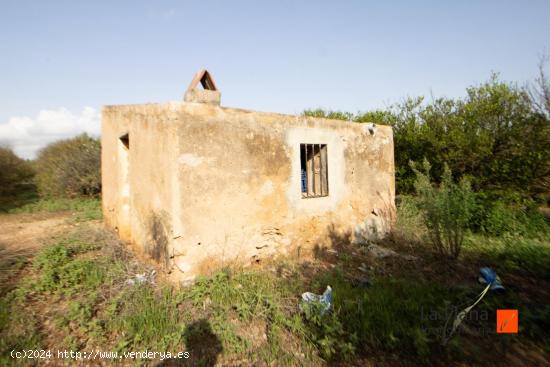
(13,171)
(70,168)
(327,332)
(447,209)
(508,219)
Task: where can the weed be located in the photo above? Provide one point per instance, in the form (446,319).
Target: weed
(71,342)
(18,329)
(230,340)
(409,224)
(60,271)
(327,332)
(145,313)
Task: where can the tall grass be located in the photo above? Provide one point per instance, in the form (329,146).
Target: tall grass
(148,317)
(511,254)
(409,224)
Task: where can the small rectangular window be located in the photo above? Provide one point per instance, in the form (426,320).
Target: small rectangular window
(125,140)
(314,170)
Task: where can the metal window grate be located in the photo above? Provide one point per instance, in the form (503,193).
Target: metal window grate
(314,170)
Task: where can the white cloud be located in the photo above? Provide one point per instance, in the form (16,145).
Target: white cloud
(27,135)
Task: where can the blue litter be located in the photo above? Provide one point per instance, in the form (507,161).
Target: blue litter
(324,299)
(486,276)
(489,276)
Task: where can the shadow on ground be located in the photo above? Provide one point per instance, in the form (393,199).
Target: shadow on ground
(201,343)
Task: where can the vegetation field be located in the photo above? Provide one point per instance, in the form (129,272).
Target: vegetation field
(71,291)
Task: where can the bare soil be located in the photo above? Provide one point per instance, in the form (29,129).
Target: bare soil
(20,231)
(20,237)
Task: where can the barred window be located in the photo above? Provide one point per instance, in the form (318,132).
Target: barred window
(314,170)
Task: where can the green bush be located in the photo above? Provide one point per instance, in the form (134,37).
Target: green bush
(13,172)
(512,219)
(327,332)
(70,168)
(446,209)
(495,135)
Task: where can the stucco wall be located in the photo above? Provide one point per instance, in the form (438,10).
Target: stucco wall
(223,185)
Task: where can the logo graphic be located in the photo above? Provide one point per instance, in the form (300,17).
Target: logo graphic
(507,321)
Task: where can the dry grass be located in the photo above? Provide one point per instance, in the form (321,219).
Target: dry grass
(12,260)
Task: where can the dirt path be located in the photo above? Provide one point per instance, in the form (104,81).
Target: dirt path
(28,231)
(21,235)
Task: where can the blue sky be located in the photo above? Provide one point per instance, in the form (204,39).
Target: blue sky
(62,60)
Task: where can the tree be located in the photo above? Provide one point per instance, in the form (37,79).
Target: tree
(540,91)
(13,172)
(497,136)
(70,168)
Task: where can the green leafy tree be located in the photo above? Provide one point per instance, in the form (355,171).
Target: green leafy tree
(335,115)
(70,168)
(13,172)
(497,136)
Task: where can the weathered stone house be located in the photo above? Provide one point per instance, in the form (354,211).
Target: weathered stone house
(196,185)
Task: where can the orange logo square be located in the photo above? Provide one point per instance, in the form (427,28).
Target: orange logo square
(507,321)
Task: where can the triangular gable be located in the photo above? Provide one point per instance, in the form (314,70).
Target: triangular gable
(206,80)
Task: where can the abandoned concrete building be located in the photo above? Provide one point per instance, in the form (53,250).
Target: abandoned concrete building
(195,185)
